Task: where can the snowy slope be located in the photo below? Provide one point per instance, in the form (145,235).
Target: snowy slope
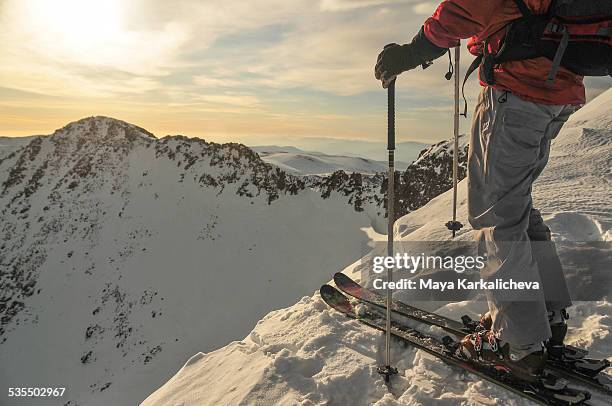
(297,162)
(9,144)
(308,354)
(123,254)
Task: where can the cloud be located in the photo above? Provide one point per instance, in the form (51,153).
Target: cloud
(304,60)
(216,82)
(321,51)
(329,52)
(335,5)
(342,5)
(83,38)
(425,8)
(59,48)
(240,100)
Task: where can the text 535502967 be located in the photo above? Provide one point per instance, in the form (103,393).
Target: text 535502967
(26,392)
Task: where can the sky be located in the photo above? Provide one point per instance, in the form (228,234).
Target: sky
(257,71)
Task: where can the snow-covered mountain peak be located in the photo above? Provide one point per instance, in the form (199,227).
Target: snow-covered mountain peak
(444,147)
(102,128)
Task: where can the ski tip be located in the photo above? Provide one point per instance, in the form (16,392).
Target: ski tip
(334,298)
(326,291)
(329,292)
(342,279)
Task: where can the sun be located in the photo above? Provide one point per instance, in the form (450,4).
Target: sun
(75,26)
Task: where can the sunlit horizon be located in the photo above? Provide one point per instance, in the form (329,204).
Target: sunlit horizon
(256,72)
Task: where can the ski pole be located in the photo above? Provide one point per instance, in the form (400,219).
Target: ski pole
(387,370)
(454,225)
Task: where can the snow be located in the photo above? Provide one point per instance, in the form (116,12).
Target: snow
(308,354)
(444,146)
(10,144)
(138,265)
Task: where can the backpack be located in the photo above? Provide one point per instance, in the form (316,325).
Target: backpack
(575,34)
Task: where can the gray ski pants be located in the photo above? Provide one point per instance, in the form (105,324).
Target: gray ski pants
(509,148)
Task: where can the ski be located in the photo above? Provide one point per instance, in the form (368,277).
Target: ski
(551,390)
(352,288)
(573,365)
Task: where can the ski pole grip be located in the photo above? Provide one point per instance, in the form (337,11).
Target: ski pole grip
(391,116)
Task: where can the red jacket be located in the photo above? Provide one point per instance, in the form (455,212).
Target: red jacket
(479,19)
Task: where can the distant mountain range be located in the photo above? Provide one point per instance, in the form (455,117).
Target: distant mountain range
(295,161)
(405,152)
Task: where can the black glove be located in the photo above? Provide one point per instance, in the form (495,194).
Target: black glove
(395,59)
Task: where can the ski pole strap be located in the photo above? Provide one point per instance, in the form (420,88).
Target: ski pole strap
(451,68)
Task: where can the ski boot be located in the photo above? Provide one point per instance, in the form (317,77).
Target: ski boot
(558,328)
(555,345)
(482,347)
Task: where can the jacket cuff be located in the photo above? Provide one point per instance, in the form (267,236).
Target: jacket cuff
(426,49)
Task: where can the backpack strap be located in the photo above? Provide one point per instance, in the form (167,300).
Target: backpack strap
(523,8)
(486,62)
(558,56)
(475,64)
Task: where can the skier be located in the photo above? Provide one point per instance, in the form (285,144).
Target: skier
(519,112)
